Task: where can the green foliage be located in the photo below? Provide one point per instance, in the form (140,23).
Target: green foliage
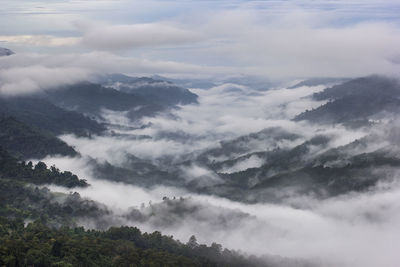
(27,142)
(39,245)
(49,241)
(22,201)
(91,98)
(160,92)
(355,101)
(40,113)
(142,96)
(38,174)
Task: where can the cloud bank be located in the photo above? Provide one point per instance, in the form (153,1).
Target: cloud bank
(245,38)
(339,231)
(117,37)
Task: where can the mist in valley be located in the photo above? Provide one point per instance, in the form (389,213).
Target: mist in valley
(271,128)
(314,229)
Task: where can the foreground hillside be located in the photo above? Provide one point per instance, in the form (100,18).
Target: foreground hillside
(39,245)
(34,228)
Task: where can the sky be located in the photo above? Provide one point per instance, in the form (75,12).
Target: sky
(276,39)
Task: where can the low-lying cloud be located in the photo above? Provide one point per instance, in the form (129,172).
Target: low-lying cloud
(23,74)
(36,78)
(340,231)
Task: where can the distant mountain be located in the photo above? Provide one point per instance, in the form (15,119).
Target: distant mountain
(5,52)
(161,92)
(259,83)
(359,173)
(275,161)
(356,100)
(140,96)
(319,81)
(298,171)
(26,142)
(44,115)
(91,98)
(374,86)
(188,83)
(271,137)
(253,82)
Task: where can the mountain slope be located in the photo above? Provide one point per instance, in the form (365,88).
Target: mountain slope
(161,92)
(319,81)
(356,100)
(91,98)
(11,168)
(34,228)
(372,86)
(360,173)
(44,115)
(26,142)
(5,52)
(139,96)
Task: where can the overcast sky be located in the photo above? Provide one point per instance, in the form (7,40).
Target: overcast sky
(276,39)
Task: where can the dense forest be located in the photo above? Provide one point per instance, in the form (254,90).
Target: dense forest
(35,244)
(40,113)
(39,174)
(25,141)
(39,228)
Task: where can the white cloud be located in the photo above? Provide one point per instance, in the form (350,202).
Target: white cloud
(28,73)
(275,39)
(251,162)
(341,231)
(299,42)
(117,37)
(40,40)
(34,78)
(302,44)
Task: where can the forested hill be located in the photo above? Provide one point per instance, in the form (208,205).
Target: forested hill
(158,91)
(11,168)
(91,98)
(44,115)
(49,241)
(142,97)
(26,142)
(360,99)
(39,245)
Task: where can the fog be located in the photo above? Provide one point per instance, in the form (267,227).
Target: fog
(196,127)
(235,168)
(354,229)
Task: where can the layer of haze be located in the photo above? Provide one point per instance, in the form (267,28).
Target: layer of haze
(65,42)
(340,231)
